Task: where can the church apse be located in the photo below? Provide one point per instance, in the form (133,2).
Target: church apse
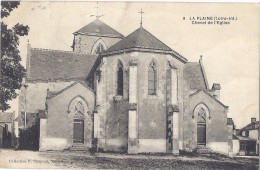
(142,100)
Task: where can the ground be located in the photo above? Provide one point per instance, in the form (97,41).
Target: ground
(82,159)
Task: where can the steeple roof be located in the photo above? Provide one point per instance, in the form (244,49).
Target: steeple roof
(141,40)
(99,28)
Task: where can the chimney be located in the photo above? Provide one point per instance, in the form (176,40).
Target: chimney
(253,119)
(215,90)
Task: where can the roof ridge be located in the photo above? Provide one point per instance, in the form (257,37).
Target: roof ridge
(204,73)
(45,49)
(53,94)
(98,23)
(135,42)
(158,39)
(56,93)
(166,45)
(192,62)
(112,28)
(142,39)
(54,80)
(210,96)
(99,34)
(249,124)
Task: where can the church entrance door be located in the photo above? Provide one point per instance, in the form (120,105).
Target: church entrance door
(201,134)
(78,131)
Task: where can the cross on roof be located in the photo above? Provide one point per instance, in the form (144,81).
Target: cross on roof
(97,16)
(141,12)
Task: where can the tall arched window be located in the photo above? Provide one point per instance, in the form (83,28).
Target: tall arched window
(152,78)
(99,48)
(120,79)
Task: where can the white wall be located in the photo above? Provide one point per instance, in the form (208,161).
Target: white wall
(235,146)
(253,134)
(220,147)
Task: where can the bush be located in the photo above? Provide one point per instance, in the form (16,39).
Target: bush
(29,138)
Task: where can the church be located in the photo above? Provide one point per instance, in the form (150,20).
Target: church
(131,94)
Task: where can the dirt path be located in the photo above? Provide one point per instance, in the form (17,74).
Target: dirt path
(24,159)
(83,160)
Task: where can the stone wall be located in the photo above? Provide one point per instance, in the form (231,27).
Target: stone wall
(151,110)
(216,124)
(117,125)
(113,115)
(236,147)
(152,120)
(85,43)
(230,139)
(57,129)
(36,95)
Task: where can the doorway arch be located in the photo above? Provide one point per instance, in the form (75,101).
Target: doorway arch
(78,111)
(201,114)
(201,127)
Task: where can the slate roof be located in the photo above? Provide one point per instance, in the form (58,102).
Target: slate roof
(56,93)
(99,28)
(235,137)
(141,39)
(251,126)
(6,116)
(194,75)
(242,138)
(48,65)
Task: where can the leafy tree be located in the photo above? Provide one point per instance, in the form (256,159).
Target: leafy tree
(11,70)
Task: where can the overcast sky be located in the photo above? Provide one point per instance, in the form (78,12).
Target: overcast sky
(230,52)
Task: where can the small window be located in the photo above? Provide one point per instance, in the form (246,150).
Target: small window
(152,78)
(120,79)
(242,146)
(100,48)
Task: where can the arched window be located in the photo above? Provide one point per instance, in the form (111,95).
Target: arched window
(99,48)
(202,115)
(120,79)
(152,78)
(79,110)
(201,112)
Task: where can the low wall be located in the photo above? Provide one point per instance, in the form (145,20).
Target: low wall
(53,144)
(117,145)
(152,145)
(235,147)
(220,147)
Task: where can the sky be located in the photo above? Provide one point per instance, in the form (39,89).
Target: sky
(230,51)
